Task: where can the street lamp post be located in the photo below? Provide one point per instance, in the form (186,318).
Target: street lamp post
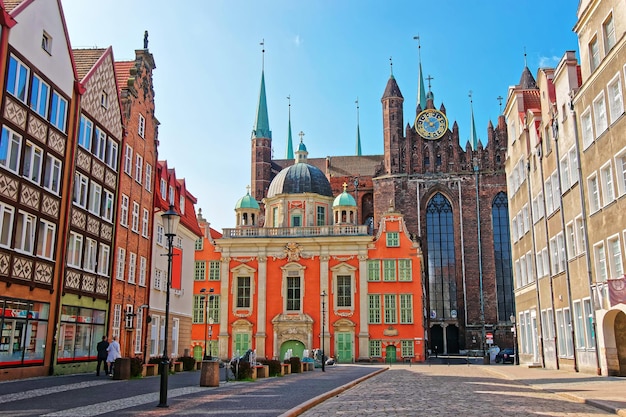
(206,309)
(323,328)
(210,338)
(170,224)
(514,330)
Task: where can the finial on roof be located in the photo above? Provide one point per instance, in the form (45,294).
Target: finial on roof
(345,186)
(391,65)
(525,61)
(301,134)
(421,94)
(358,130)
(262,54)
(499,98)
(145,40)
(473,135)
(289,154)
(429,79)
(247,189)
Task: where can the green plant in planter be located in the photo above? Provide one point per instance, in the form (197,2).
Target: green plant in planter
(136,366)
(296,364)
(188,363)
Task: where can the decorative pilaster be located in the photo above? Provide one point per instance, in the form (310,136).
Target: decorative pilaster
(363,336)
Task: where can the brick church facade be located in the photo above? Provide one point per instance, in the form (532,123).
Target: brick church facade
(453,201)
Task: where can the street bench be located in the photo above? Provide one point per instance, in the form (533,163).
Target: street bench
(260,371)
(308,366)
(285,368)
(178,366)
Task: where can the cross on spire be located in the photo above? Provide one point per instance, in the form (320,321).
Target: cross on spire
(391,65)
(429,78)
(301,134)
(263,53)
(499,98)
(248,189)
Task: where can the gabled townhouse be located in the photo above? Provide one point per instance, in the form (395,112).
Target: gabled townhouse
(172,192)
(133,245)
(206,293)
(92,215)
(38,114)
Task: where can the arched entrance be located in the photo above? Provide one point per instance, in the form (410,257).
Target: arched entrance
(436,339)
(452,339)
(619,327)
(296,346)
(197,352)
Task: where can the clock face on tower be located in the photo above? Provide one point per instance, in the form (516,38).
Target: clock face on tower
(431,124)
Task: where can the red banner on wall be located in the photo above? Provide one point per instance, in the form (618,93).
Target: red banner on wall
(177,268)
(617,291)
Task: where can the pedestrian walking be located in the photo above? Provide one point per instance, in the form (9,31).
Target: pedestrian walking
(114,353)
(102,356)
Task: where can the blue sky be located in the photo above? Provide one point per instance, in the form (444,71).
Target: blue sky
(324,54)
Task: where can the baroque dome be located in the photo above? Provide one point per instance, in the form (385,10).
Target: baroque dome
(247,202)
(344,199)
(300,178)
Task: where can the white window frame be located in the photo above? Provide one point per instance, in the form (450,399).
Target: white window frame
(141,126)
(32,164)
(101,144)
(107,206)
(593,193)
(599,259)
(14,149)
(81,185)
(104,258)
(586,128)
(112,153)
(148,178)
(599,114)
(143,266)
(608,187)
(573,166)
(85,132)
(163,189)
(128,160)
(90,256)
(95,198)
(594,53)
(13,85)
(124,210)
(121,264)
(608,33)
(614,257)
(39,96)
(132,267)
(616,100)
(75,248)
(52,174)
(58,112)
(46,238)
(138,168)
(135,217)
(620,168)
(145,223)
(160,232)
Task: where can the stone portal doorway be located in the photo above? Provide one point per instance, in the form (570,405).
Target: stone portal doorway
(296,346)
(619,328)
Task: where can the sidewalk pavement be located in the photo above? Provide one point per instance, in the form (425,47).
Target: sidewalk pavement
(606,393)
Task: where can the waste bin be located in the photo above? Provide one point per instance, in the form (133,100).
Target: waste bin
(121,368)
(210,374)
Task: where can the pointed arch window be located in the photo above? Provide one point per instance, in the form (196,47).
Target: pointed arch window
(502,256)
(441,258)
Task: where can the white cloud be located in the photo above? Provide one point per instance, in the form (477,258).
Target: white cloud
(548,62)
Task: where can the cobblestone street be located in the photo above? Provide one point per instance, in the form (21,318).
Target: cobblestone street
(442,390)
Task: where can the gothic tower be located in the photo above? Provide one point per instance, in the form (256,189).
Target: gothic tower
(261,147)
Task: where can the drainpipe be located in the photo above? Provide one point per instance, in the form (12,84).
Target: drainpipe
(585,231)
(534,243)
(547,237)
(562,215)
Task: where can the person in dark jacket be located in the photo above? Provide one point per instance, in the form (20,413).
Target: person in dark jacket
(102,356)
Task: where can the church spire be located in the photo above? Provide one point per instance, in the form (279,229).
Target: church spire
(358,130)
(262,124)
(473,135)
(289,154)
(421,92)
